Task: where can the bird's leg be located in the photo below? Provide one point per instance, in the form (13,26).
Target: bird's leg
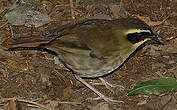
(108,85)
(101,96)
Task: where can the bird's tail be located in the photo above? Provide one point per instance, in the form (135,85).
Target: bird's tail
(25,48)
(32,48)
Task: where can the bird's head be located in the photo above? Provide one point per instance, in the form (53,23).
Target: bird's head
(137,32)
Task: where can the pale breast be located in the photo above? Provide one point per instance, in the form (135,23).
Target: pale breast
(89,67)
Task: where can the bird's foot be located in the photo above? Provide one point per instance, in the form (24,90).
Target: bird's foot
(109,86)
(101,96)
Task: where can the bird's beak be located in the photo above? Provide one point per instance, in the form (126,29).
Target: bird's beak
(157,39)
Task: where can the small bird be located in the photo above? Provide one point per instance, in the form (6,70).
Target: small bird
(95,48)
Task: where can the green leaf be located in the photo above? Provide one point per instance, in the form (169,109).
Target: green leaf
(162,84)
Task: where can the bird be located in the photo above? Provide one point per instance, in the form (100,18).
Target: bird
(94,48)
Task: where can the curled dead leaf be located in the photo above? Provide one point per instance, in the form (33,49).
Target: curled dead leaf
(149,21)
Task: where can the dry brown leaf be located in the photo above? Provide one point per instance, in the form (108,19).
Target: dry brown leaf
(5,43)
(142,102)
(148,20)
(67,92)
(3,60)
(12,105)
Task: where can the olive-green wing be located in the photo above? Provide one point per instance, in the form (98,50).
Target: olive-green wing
(92,38)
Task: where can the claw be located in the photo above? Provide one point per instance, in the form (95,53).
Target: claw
(109,86)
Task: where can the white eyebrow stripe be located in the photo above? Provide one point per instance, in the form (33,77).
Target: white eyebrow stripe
(131,31)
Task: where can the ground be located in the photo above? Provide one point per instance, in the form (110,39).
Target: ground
(29,80)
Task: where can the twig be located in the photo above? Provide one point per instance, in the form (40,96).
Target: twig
(12,32)
(4,24)
(26,101)
(12,66)
(35,103)
(171,38)
(72,10)
(174,28)
(14,5)
(72,103)
(165,19)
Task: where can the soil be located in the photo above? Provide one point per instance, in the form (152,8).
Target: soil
(32,76)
